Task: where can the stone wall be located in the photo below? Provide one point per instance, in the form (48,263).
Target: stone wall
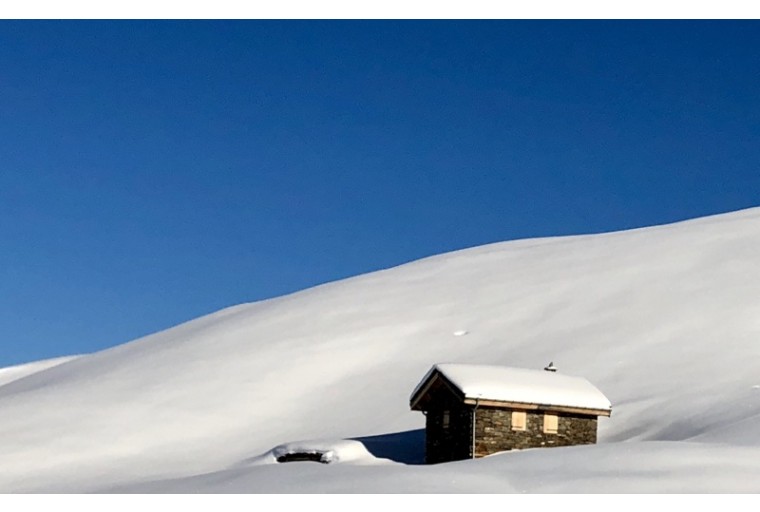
(493,431)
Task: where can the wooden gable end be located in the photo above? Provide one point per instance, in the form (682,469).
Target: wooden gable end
(436,393)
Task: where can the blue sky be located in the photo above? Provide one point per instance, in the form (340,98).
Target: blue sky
(152,172)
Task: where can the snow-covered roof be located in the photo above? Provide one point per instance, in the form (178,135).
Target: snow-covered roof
(519,385)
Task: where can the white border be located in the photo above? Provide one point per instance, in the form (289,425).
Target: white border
(387,9)
(350,503)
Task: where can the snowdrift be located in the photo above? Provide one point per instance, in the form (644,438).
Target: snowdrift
(664,320)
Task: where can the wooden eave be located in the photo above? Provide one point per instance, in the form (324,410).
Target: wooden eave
(537,407)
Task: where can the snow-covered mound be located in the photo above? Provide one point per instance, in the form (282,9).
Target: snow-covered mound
(664,321)
(323,451)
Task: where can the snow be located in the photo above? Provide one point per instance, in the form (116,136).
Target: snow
(646,467)
(664,320)
(12,373)
(502,383)
(330,452)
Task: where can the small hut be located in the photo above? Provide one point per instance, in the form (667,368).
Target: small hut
(475,410)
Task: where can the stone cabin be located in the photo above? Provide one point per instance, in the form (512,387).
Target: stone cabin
(475,410)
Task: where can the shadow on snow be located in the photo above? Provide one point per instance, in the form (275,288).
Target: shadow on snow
(405,447)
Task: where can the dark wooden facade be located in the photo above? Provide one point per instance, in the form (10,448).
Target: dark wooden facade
(449,427)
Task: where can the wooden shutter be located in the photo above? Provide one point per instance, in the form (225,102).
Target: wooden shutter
(519,420)
(551,423)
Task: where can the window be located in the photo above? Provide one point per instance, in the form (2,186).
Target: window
(519,420)
(551,423)
(446,419)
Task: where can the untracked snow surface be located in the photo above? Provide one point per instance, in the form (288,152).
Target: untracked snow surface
(12,373)
(665,321)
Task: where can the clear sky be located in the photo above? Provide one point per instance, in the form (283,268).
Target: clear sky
(152,172)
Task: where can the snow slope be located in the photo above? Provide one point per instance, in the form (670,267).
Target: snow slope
(663,320)
(20,371)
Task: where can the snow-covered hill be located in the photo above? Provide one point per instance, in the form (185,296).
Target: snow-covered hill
(664,320)
(23,370)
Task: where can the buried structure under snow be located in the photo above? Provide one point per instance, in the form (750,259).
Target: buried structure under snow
(476,410)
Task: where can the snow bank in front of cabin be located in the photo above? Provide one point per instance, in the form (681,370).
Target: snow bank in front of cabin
(663,320)
(643,467)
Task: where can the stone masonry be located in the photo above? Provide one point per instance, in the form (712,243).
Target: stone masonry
(493,431)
